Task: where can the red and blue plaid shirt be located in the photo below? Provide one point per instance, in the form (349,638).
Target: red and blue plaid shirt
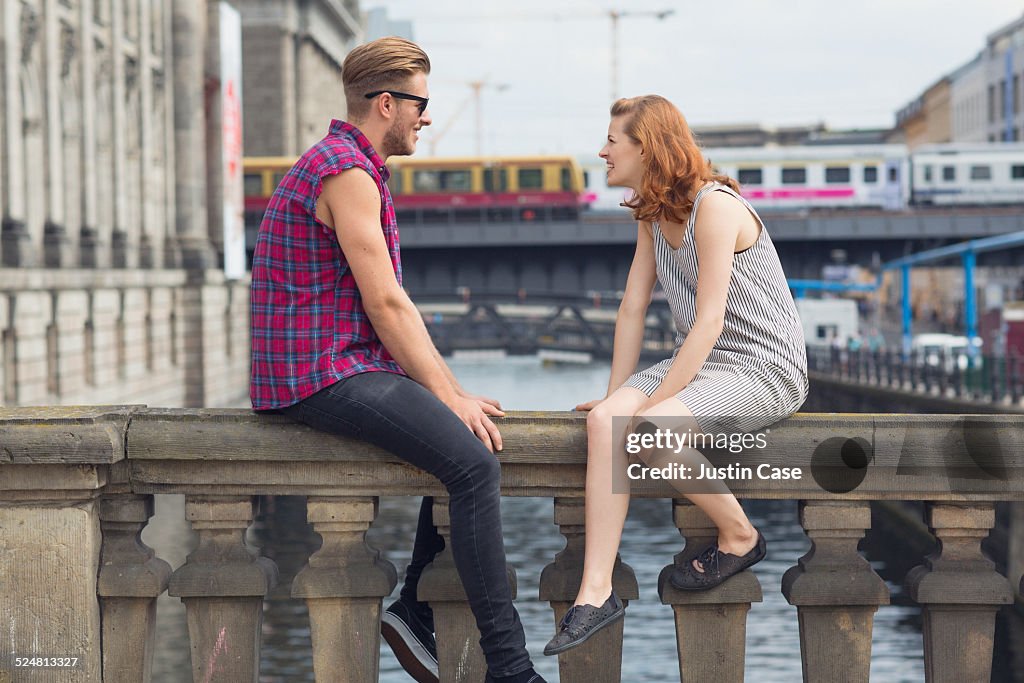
(309,328)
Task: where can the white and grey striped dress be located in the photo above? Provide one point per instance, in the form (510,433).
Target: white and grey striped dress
(756,374)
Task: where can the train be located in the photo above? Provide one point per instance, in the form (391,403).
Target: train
(886,177)
(523,188)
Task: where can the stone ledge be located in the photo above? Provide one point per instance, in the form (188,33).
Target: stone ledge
(842,457)
(67,435)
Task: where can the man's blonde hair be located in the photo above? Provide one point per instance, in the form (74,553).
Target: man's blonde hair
(378,65)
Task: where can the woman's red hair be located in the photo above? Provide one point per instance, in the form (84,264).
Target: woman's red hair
(674,167)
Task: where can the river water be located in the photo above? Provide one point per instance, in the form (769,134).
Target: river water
(532,540)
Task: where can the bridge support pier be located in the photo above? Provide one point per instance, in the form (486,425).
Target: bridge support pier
(960,592)
(711,625)
(601,658)
(836,592)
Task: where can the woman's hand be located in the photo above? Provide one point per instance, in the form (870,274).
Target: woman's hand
(589,405)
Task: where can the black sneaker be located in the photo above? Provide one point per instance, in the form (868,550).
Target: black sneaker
(534,677)
(411,640)
(582,621)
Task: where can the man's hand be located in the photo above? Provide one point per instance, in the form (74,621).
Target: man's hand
(471,412)
(490,406)
(589,405)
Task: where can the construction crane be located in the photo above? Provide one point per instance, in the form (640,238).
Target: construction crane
(474,96)
(615,16)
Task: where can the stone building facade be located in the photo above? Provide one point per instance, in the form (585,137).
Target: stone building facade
(293,51)
(111,195)
(87,144)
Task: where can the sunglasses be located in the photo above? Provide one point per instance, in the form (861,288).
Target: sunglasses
(422,106)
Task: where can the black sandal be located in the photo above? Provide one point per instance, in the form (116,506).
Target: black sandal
(582,621)
(718,566)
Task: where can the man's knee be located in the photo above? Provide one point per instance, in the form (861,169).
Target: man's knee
(482,472)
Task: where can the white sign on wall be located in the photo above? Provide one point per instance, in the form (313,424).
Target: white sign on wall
(231,138)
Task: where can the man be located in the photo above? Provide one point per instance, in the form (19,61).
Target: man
(338,345)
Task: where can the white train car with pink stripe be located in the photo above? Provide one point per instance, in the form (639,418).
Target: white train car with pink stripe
(818,176)
(968,174)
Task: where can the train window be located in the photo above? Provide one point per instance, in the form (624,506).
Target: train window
(426,181)
(927,173)
(750,176)
(949,173)
(566,180)
(253,185)
(495,180)
(440,181)
(870,174)
(395,182)
(278,177)
(1017,172)
(794,176)
(894,174)
(981,173)
(531,179)
(837,174)
(460,181)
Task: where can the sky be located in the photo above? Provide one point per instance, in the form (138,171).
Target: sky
(547,65)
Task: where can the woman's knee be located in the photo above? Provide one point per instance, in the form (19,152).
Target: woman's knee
(599,420)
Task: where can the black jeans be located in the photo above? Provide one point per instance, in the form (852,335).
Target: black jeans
(401,416)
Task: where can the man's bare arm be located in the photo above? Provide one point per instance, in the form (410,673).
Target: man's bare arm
(350,204)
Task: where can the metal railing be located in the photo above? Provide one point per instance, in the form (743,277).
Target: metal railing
(997,379)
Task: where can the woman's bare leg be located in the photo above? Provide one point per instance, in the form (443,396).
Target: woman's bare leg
(736,535)
(605,511)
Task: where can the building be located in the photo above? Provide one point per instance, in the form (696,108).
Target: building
(928,117)
(985,93)
(754,135)
(293,51)
(121,138)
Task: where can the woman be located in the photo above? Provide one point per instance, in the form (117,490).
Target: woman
(739,363)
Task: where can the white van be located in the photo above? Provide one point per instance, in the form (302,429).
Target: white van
(945,350)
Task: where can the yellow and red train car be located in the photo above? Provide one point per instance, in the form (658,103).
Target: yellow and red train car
(429,189)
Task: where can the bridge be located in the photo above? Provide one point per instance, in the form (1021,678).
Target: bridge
(520,323)
(78,485)
(593,252)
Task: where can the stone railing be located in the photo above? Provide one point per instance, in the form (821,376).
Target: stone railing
(77,486)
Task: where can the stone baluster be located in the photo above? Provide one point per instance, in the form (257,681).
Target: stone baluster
(222,584)
(836,592)
(600,659)
(343,585)
(711,625)
(130,579)
(459,657)
(959,591)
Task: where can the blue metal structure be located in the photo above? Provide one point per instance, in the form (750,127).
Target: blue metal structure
(967,251)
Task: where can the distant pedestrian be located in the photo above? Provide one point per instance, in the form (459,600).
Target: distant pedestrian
(876,342)
(739,364)
(338,345)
